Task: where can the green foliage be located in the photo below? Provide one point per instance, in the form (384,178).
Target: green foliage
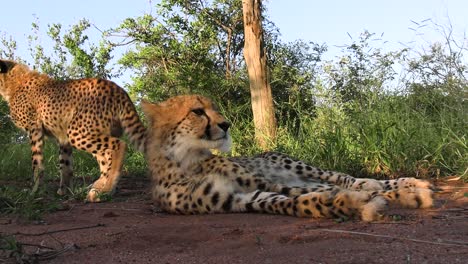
(16,171)
(8,132)
(189,47)
(361,72)
(19,201)
(365,126)
(15,163)
(73,55)
(134,163)
(10,249)
(9,46)
(388,140)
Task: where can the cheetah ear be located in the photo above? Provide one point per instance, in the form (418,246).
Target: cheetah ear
(150,110)
(6,66)
(3,66)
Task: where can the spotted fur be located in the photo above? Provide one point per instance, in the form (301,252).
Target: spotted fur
(88,114)
(189,179)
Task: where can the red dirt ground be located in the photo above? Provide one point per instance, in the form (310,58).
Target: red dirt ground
(130,230)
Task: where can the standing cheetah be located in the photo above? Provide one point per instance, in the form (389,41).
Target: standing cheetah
(189,179)
(88,114)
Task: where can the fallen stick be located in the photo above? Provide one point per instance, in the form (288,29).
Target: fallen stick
(35,245)
(58,231)
(52,254)
(120,209)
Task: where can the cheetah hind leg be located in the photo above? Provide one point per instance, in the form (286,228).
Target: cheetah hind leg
(407,192)
(312,204)
(36,137)
(400,183)
(341,203)
(409,197)
(409,182)
(328,204)
(110,164)
(66,171)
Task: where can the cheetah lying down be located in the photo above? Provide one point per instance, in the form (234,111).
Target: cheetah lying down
(88,114)
(189,179)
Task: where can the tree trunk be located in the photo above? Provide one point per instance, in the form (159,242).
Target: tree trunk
(256,61)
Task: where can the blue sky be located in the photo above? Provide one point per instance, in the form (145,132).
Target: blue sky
(318,21)
(331,21)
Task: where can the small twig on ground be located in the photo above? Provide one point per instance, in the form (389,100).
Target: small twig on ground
(70,209)
(446,217)
(456,209)
(35,245)
(58,231)
(394,223)
(56,240)
(54,253)
(121,209)
(441,242)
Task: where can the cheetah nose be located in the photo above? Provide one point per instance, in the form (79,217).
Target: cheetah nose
(224,126)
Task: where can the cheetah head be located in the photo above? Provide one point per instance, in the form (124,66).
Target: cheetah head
(12,75)
(186,126)
(6,67)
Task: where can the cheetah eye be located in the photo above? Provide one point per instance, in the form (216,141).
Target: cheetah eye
(198,111)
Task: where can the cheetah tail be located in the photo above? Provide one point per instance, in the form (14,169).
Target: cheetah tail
(133,127)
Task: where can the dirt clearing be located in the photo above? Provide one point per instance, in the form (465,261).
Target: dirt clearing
(129,229)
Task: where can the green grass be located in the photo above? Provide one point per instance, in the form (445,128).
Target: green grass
(15,163)
(388,137)
(19,201)
(11,249)
(16,179)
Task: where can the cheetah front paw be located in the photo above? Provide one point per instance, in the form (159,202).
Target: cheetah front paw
(93,196)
